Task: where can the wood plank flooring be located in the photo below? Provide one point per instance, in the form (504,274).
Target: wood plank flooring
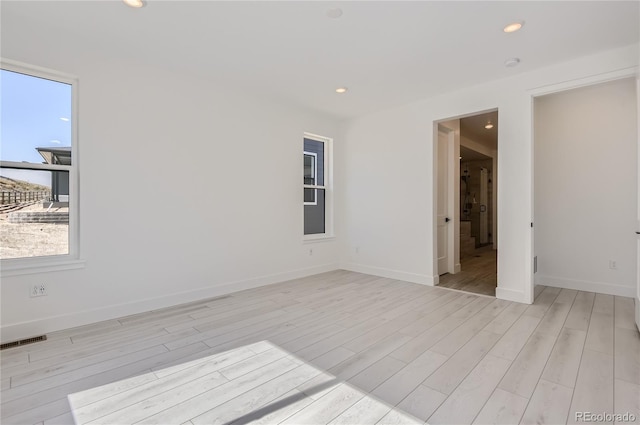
(336,348)
(479,273)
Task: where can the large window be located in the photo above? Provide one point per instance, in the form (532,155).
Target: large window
(38,205)
(317,187)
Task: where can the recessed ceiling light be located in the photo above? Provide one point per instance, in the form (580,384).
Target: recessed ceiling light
(510,63)
(64,119)
(489,125)
(513,27)
(334,13)
(341,90)
(134,3)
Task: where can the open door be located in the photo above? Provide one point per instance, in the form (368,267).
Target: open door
(443,218)
(447,201)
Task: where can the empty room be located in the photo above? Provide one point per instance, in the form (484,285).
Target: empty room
(319,212)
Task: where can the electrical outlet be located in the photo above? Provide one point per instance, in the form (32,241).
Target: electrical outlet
(39,290)
(613,264)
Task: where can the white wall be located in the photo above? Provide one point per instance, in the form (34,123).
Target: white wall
(188,189)
(586,187)
(389,182)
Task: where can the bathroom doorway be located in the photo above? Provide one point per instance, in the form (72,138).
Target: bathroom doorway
(477,213)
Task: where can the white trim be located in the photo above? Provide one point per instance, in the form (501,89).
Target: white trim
(511,295)
(317,137)
(314,176)
(24,266)
(318,237)
(583,82)
(37,71)
(422,279)
(637,295)
(49,324)
(12,266)
(585,285)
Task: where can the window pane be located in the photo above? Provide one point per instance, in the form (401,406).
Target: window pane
(314,215)
(314,146)
(34,213)
(310,195)
(309,169)
(35,119)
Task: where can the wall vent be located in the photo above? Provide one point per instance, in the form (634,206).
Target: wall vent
(23,342)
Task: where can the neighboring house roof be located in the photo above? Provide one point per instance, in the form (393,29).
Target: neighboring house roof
(60,155)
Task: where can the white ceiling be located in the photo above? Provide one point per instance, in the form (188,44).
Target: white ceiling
(473,128)
(387,53)
(467,154)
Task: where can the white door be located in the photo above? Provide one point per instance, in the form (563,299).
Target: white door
(442,217)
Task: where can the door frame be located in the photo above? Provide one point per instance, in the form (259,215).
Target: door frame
(557,88)
(637,297)
(453,233)
(452,132)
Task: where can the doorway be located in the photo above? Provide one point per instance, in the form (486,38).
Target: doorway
(466,203)
(586,187)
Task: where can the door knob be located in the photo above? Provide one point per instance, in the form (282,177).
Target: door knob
(447,219)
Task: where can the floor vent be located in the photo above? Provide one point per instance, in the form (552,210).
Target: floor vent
(23,342)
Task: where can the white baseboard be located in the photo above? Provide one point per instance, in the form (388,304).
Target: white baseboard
(390,273)
(511,295)
(584,285)
(28,329)
(457,268)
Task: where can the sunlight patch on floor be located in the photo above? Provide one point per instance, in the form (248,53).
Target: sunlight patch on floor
(256,383)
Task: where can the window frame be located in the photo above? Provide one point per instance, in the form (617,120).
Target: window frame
(314,176)
(71,260)
(327,187)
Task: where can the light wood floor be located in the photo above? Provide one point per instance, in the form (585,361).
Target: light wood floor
(479,273)
(336,348)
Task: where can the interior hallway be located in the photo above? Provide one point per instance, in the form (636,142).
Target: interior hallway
(479,273)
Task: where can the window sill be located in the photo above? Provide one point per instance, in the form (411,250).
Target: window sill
(40,266)
(318,238)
